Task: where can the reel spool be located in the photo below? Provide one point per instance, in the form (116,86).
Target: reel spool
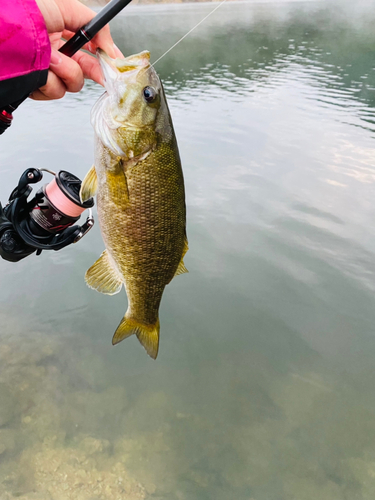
(46,221)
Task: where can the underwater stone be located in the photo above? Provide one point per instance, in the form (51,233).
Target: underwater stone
(65,473)
(91,445)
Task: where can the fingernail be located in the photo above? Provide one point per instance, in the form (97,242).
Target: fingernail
(117,51)
(55,57)
(91,48)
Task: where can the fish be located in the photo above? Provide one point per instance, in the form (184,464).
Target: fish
(139,186)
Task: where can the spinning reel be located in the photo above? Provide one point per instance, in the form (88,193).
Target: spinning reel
(45,222)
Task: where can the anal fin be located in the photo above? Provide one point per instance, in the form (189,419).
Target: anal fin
(102,277)
(181,268)
(89,185)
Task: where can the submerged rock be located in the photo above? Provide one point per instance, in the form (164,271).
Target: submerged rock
(51,443)
(69,473)
(92,446)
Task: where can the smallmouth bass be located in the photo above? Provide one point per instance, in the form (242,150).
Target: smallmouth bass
(138,179)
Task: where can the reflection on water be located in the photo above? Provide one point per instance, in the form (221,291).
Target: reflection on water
(263,389)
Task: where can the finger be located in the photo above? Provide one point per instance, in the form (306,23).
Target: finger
(55,40)
(118,52)
(90,66)
(51,15)
(67,34)
(76,15)
(67,70)
(90,46)
(38,95)
(53,89)
(103,40)
(93,45)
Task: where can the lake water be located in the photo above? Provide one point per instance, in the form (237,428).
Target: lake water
(264,384)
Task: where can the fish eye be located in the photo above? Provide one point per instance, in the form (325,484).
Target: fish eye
(149,94)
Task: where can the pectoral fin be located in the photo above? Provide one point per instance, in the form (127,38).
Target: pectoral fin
(103,277)
(89,185)
(118,186)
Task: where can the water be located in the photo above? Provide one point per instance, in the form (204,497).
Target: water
(264,385)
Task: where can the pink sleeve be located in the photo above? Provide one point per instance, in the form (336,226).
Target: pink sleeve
(24,42)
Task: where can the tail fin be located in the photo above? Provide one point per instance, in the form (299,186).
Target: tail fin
(148,335)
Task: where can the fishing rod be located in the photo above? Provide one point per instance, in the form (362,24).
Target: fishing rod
(44,221)
(73,45)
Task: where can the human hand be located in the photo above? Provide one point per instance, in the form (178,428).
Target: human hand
(63,18)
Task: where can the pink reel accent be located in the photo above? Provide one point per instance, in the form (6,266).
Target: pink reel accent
(61,201)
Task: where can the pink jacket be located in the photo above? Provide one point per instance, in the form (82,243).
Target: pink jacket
(24,42)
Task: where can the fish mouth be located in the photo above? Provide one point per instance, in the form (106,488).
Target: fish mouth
(133,63)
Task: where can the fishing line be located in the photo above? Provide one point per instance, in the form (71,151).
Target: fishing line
(188,33)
